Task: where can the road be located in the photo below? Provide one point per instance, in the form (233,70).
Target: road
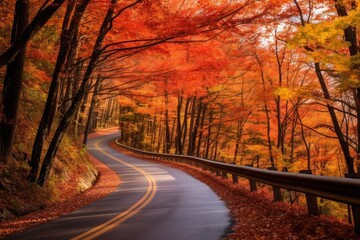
(153,201)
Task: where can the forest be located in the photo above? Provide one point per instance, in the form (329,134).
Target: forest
(268,83)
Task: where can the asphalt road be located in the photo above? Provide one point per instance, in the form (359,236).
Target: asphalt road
(153,202)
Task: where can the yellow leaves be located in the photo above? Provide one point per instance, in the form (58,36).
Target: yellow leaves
(325,35)
(353,19)
(285,92)
(216,88)
(327,44)
(327,41)
(288,93)
(336,61)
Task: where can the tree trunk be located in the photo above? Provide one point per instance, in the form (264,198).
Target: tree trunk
(343,144)
(351,37)
(203,115)
(178,126)
(44,126)
(208,136)
(167,144)
(65,27)
(185,124)
(239,130)
(280,125)
(268,129)
(191,141)
(65,120)
(79,124)
(91,110)
(13,84)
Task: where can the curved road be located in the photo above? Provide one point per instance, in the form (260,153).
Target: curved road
(152,202)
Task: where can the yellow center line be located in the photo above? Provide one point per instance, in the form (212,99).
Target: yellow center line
(134,209)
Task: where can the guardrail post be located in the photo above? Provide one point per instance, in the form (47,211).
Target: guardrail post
(276,190)
(253,186)
(356,217)
(355,209)
(204,167)
(252,183)
(311,199)
(224,174)
(218,173)
(235,179)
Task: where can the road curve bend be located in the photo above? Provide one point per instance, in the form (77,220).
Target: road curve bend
(152,202)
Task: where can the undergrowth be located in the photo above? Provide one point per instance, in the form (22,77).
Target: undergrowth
(18,195)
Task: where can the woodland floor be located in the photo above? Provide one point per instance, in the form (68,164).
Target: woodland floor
(255,217)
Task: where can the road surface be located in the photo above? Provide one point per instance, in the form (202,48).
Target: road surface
(153,202)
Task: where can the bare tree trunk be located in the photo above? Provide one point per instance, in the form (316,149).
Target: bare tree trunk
(203,114)
(178,127)
(268,129)
(239,130)
(70,56)
(208,136)
(185,124)
(192,128)
(44,126)
(196,128)
(65,120)
(167,144)
(91,109)
(343,144)
(13,84)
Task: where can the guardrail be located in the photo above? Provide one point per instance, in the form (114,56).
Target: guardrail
(345,190)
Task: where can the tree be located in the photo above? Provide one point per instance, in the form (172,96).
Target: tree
(13,83)
(310,34)
(65,120)
(69,30)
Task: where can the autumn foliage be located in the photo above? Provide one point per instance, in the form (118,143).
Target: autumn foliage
(266,83)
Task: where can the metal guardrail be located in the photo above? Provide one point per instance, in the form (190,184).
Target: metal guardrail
(345,190)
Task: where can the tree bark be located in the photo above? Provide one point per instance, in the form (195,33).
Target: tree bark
(192,127)
(203,115)
(167,144)
(44,126)
(91,110)
(13,84)
(343,144)
(208,135)
(178,126)
(194,133)
(268,128)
